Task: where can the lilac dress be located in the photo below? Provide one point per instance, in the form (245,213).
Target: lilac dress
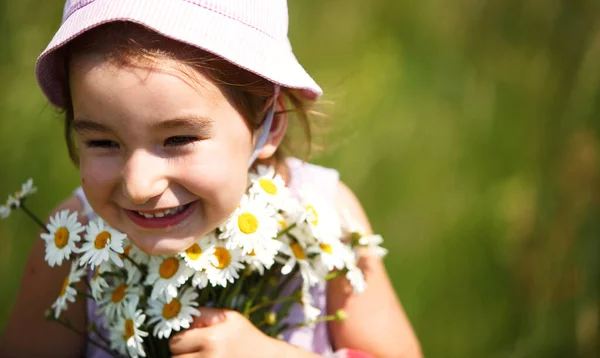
(322,181)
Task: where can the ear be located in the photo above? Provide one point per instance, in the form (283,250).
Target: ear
(277,131)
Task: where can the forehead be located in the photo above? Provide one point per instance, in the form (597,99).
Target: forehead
(154,86)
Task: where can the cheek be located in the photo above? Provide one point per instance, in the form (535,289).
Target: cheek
(217,177)
(98,175)
(217,173)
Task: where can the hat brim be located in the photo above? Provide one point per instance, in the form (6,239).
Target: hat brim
(238,43)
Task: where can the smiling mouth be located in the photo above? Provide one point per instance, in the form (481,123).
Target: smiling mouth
(162,213)
(159,219)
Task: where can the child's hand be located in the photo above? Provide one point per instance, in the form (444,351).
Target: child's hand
(225,333)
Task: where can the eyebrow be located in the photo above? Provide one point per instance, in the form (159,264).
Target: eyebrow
(191,122)
(84,125)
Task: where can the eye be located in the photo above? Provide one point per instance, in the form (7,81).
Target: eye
(104,143)
(178,141)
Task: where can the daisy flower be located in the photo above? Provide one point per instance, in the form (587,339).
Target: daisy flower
(4,211)
(173,315)
(324,223)
(306,300)
(298,255)
(134,275)
(269,185)
(97,282)
(373,244)
(224,265)
(114,300)
(252,227)
(26,189)
(102,243)
(166,274)
(63,233)
(354,274)
(259,262)
(196,256)
(126,335)
(200,279)
(67,292)
(134,253)
(283,222)
(14,201)
(356,278)
(332,255)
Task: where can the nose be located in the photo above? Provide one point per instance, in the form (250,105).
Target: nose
(144,177)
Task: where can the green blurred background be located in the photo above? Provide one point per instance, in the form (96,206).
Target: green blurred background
(469,130)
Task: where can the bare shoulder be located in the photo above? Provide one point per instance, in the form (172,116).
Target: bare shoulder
(40,286)
(385,332)
(349,207)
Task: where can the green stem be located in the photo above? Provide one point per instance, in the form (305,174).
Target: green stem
(99,335)
(89,339)
(236,290)
(258,291)
(139,267)
(270,303)
(287,279)
(286,230)
(335,274)
(85,294)
(331,317)
(33,217)
(205,292)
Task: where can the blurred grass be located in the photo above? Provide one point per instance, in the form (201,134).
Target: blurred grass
(468,129)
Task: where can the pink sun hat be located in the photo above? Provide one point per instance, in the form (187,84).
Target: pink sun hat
(251,34)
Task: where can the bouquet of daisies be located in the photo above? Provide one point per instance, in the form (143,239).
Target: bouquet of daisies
(261,261)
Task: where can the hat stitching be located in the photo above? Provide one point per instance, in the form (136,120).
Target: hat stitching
(231,17)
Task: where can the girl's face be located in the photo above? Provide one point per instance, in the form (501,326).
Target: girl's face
(163,158)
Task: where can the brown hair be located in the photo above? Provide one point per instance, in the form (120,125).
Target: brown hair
(129,44)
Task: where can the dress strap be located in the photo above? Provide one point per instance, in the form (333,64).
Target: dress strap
(87,209)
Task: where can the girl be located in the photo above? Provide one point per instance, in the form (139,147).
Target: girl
(167,105)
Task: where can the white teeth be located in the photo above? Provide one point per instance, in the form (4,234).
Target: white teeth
(160,214)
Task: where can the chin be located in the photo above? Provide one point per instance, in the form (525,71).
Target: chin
(161,245)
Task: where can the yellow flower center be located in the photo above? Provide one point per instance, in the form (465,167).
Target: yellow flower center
(61,237)
(194,252)
(223,258)
(247,223)
(118,293)
(129,331)
(101,240)
(171,309)
(313,211)
(126,251)
(283,224)
(252,253)
(268,186)
(168,268)
(297,250)
(63,290)
(326,248)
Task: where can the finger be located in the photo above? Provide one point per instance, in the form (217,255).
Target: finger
(189,355)
(199,335)
(193,340)
(209,317)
